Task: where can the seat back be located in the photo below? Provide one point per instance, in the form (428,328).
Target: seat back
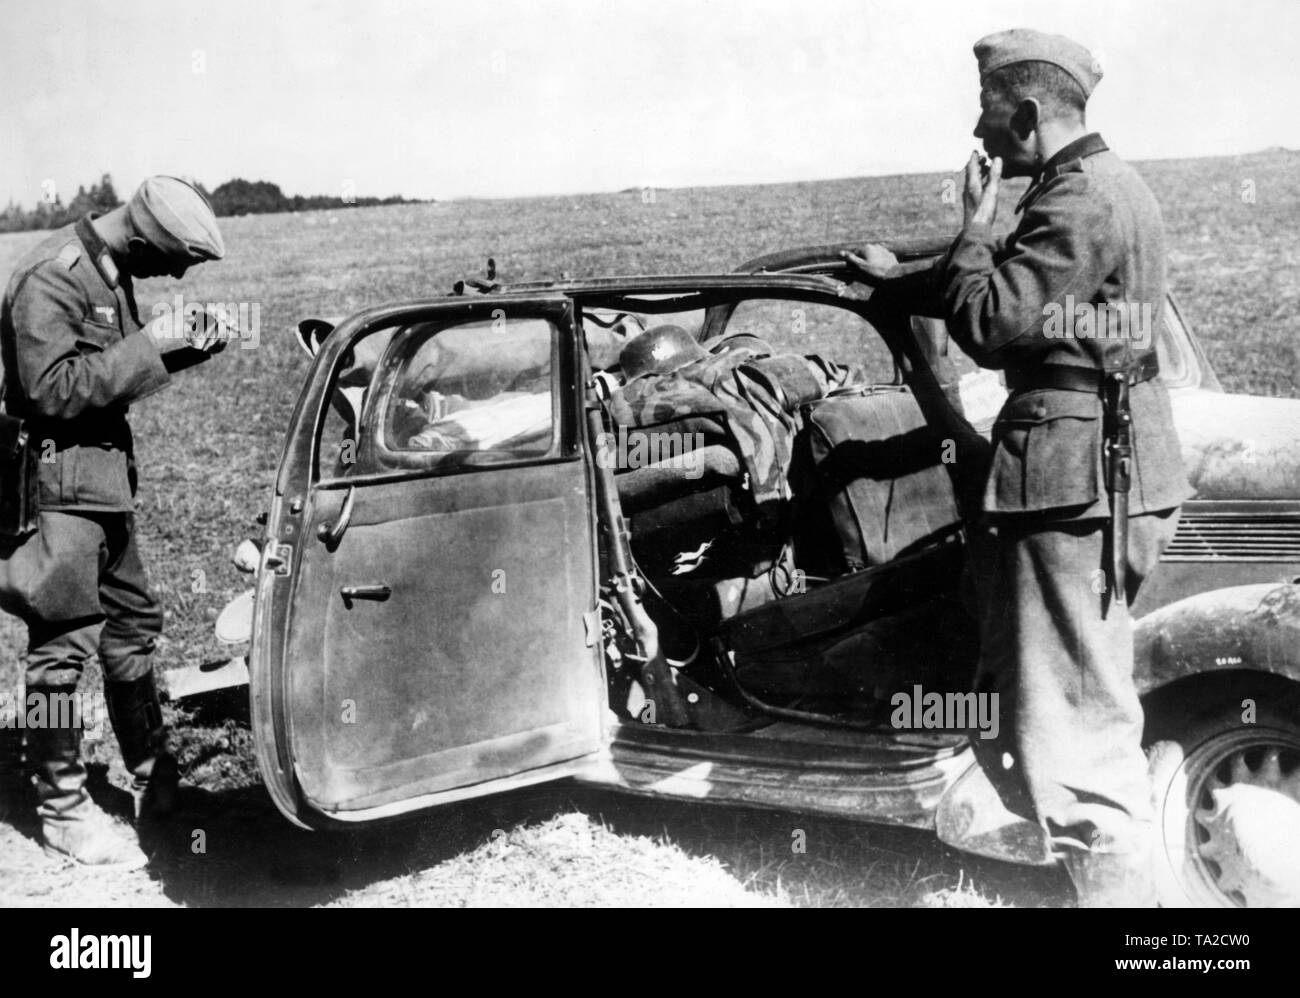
(881,473)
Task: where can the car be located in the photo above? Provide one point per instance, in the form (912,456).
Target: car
(466,585)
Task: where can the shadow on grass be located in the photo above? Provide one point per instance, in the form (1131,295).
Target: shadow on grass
(232,848)
(227,846)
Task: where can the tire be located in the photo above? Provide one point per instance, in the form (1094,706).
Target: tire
(1226,789)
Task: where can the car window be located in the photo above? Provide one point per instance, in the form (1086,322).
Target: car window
(478,393)
(337,454)
(479,387)
(982,391)
(808,328)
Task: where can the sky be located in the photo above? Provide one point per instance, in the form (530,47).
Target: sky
(505,97)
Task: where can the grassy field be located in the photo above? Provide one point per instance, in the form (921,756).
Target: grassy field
(208,447)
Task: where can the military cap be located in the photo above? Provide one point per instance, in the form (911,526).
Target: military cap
(1006,48)
(176,218)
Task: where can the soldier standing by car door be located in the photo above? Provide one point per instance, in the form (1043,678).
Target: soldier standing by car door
(75,356)
(1082,494)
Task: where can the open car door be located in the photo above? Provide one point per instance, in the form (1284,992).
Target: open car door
(421,626)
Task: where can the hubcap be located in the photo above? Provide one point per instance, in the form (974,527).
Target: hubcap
(1243,821)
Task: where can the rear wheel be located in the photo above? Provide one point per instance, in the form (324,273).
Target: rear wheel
(1226,784)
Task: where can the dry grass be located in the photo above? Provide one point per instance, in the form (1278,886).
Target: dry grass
(568,861)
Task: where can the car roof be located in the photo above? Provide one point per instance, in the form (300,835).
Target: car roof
(675,283)
(811,268)
(820,259)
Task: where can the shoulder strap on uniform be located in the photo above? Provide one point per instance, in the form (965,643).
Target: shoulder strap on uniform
(20,281)
(70,254)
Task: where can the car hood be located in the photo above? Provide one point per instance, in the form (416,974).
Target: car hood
(1239,446)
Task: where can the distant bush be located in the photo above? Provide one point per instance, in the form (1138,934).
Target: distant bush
(52,214)
(247,197)
(257,197)
(234,197)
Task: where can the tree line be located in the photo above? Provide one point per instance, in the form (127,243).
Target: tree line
(234,197)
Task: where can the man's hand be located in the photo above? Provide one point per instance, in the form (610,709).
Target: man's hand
(210,330)
(980,199)
(873,266)
(202,334)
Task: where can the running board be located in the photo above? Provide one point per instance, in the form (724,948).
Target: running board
(852,775)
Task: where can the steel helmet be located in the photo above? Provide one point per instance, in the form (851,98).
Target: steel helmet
(660,350)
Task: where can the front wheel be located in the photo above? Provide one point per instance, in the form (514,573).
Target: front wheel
(1226,785)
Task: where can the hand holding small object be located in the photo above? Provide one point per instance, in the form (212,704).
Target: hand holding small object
(980,199)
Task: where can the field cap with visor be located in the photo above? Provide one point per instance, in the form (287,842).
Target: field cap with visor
(1006,48)
(175,218)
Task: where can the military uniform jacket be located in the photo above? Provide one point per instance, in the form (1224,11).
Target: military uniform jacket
(1085,263)
(74,359)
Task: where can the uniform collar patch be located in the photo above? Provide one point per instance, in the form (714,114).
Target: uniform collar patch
(98,251)
(108,268)
(1066,159)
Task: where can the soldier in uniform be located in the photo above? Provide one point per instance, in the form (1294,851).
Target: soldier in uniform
(75,357)
(1085,481)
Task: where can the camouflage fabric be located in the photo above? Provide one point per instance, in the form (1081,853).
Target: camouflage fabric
(754,397)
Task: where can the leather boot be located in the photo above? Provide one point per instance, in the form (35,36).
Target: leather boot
(14,804)
(1112,879)
(135,709)
(72,825)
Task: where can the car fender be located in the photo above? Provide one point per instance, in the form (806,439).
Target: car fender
(1255,627)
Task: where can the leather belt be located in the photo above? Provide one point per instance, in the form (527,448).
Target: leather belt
(1065,377)
(66,433)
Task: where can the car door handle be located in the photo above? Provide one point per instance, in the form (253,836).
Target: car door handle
(376,591)
(332,533)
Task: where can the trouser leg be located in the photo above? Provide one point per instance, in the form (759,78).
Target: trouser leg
(64,628)
(1060,655)
(132,616)
(982,595)
(133,622)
